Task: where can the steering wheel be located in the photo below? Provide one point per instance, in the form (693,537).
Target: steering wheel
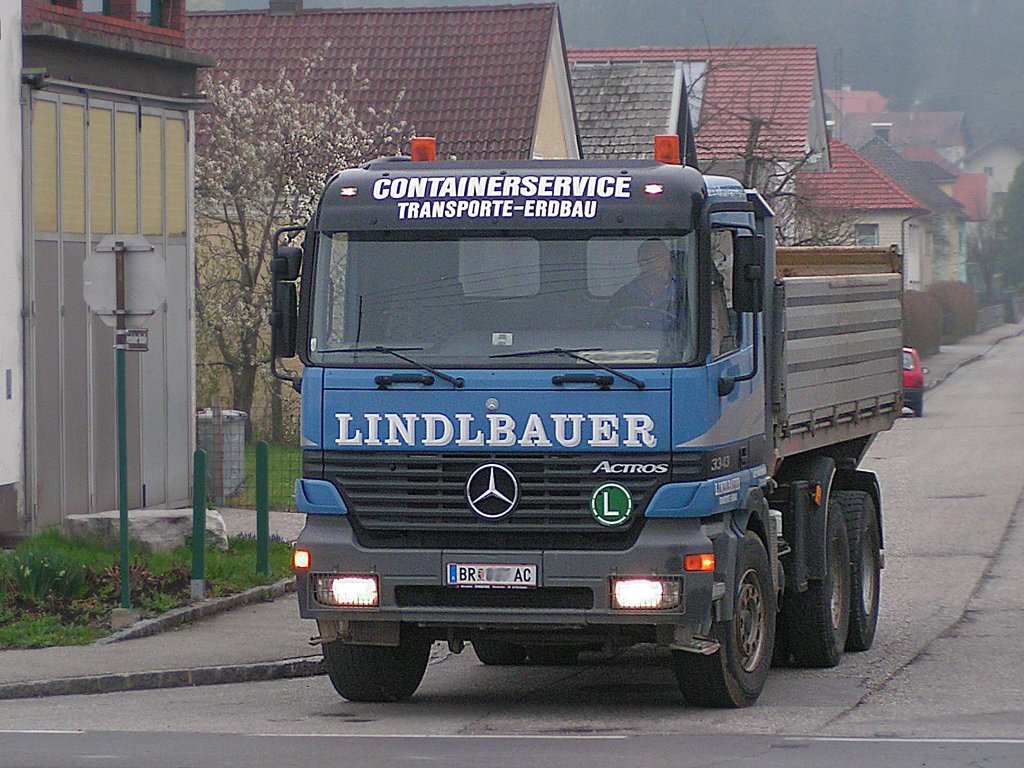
(643,317)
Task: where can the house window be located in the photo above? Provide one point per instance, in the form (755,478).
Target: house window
(867,234)
(990,171)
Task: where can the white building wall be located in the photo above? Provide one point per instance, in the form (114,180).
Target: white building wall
(11,375)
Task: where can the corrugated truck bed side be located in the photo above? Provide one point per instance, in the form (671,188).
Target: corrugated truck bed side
(837,357)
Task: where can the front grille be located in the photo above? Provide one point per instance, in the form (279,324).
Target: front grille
(580,598)
(419,499)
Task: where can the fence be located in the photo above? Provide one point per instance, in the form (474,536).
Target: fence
(231,462)
(990,317)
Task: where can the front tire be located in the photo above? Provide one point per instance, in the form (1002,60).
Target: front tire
(735,674)
(865,567)
(817,621)
(373,673)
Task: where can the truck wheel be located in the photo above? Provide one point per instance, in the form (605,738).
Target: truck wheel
(499,653)
(377,673)
(865,567)
(817,621)
(735,674)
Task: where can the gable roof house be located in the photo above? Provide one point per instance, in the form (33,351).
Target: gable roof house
(943,131)
(757,113)
(855,203)
(998,160)
(486,81)
(103,140)
(944,231)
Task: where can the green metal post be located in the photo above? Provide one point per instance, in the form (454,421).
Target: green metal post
(199,524)
(122,475)
(262,511)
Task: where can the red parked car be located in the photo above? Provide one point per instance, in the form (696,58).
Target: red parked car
(913,381)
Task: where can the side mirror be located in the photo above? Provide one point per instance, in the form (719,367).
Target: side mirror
(286,263)
(748,273)
(284,320)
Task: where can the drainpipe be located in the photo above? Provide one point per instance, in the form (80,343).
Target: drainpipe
(903,244)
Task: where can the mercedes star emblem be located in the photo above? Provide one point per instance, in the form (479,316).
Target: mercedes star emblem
(492,491)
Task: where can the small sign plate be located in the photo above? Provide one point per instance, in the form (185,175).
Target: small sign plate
(133,340)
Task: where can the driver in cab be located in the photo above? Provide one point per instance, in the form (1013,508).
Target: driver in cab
(648,300)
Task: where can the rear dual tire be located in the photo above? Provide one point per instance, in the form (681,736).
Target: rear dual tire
(865,567)
(816,622)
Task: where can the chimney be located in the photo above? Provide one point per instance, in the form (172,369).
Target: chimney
(883,131)
(283,7)
(172,14)
(123,9)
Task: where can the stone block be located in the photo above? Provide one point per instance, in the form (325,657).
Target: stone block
(156,530)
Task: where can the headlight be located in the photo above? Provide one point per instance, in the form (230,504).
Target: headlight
(348,591)
(646,594)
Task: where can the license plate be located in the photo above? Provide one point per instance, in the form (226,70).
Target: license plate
(491,575)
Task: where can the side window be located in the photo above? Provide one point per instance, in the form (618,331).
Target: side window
(725,327)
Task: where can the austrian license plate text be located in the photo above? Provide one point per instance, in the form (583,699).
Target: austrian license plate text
(491,575)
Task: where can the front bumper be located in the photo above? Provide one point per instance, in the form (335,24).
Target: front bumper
(574,587)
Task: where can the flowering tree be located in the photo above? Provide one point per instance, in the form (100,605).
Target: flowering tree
(263,156)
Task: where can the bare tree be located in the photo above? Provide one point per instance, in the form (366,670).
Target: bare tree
(263,156)
(762,164)
(985,253)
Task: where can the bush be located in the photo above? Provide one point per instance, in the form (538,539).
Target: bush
(922,322)
(959,308)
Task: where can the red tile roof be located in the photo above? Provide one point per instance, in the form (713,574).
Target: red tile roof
(472,76)
(929,155)
(971,191)
(849,101)
(853,184)
(43,11)
(934,129)
(773,84)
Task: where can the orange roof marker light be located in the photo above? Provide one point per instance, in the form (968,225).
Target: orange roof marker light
(666,148)
(424,149)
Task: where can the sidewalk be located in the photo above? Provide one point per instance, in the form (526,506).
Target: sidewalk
(262,640)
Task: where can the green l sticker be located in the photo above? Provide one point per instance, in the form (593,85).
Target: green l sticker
(611,504)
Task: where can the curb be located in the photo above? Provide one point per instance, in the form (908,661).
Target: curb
(972,359)
(200,610)
(170,678)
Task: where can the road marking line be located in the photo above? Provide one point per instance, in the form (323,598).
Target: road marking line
(42,731)
(908,739)
(548,736)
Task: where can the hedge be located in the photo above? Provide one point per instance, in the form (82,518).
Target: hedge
(959,309)
(922,322)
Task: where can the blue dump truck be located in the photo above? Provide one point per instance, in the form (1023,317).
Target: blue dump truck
(553,408)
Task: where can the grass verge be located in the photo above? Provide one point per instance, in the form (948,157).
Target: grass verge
(60,591)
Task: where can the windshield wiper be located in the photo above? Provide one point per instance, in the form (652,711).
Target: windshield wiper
(384,381)
(575,355)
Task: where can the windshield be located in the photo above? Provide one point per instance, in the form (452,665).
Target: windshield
(468,301)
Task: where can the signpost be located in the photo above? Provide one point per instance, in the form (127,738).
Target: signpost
(97,295)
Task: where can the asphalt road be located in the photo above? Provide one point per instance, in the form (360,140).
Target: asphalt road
(943,685)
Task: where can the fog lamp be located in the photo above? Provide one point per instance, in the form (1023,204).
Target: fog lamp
(349,591)
(646,594)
